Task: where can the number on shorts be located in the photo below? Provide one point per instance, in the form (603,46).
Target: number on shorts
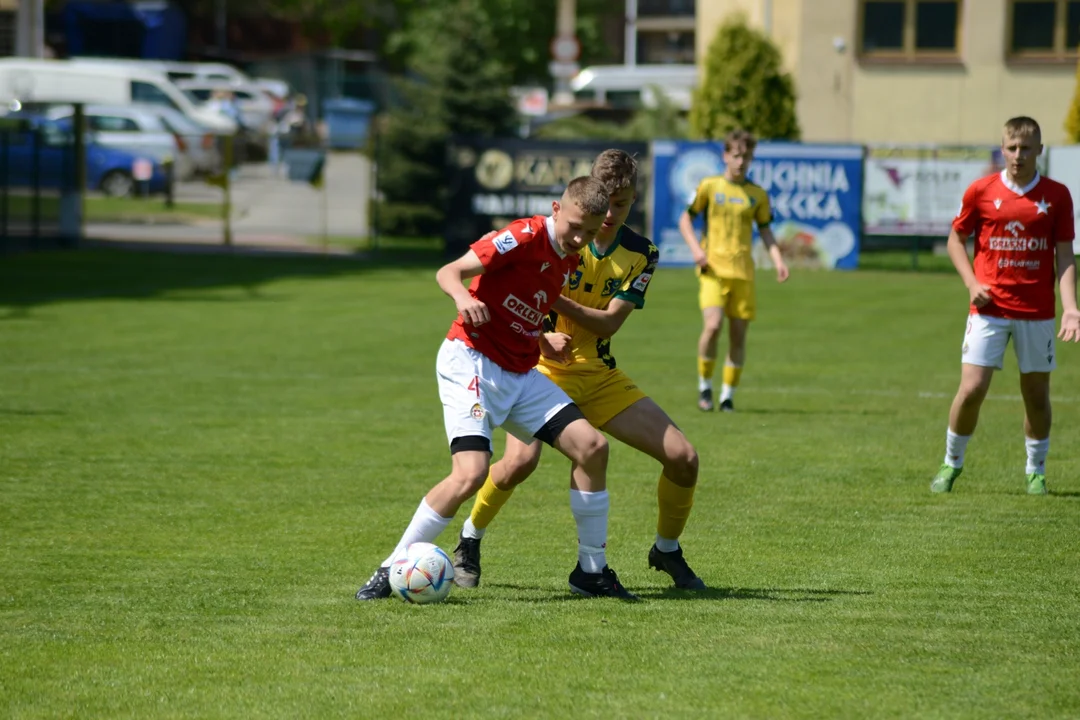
(475,385)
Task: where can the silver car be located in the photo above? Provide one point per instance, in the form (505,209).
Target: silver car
(137,130)
(199,143)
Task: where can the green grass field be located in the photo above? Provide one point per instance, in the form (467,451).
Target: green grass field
(203,457)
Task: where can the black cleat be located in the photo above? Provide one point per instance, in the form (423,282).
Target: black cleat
(674,564)
(727,406)
(376,588)
(704,402)
(467,562)
(602,584)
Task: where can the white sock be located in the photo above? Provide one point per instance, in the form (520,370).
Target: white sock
(704,384)
(591,515)
(1036,455)
(727,392)
(664,544)
(425,526)
(955,447)
(472,532)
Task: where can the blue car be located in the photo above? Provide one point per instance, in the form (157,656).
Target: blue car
(45,146)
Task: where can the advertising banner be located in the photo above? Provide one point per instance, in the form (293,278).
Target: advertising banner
(496,181)
(815,192)
(917,190)
(1065,168)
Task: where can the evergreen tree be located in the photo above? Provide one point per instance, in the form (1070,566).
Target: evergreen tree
(456,88)
(744,86)
(1072,120)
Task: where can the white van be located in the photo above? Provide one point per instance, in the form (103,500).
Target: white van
(178,70)
(630,86)
(61,81)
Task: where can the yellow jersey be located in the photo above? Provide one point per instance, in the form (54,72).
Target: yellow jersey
(730,210)
(623,271)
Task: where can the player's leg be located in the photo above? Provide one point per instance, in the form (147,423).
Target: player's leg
(712,320)
(518,462)
(474,396)
(1034,345)
(644,426)
(1035,387)
(740,311)
(983,352)
(544,411)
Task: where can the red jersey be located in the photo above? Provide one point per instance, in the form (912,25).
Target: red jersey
(524,273)
(1017,232)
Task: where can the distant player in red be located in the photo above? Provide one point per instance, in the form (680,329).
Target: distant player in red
(1023,225)
(487,378)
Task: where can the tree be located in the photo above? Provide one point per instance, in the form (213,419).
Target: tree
(744,86)
(1072,120)
(457,87)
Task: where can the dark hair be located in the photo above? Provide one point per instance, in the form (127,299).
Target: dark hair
(617,169)
(739,137)
(589,194)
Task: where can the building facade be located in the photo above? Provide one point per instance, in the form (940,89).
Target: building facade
(918,71)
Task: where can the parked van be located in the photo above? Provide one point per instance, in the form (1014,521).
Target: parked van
(631,86)
(61,81)
(177,70)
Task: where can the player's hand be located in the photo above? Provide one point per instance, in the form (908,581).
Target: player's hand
(701,259)
(980,294)
(1070,326)
(556,346)
(473,312)
(782,272)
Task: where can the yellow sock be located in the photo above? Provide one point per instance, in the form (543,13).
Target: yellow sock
(488,503)
(705,368)
(675,503)
(732,375)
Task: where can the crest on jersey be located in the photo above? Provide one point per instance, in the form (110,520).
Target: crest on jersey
(477,412)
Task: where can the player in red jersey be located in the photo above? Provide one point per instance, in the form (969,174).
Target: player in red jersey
(1023,224)
(487,378)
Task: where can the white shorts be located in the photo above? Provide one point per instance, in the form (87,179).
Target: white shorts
(987,337)
(479,396)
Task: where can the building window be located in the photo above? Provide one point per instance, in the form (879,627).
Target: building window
(909,29)
(1044,28)
(668,8)
(665,47)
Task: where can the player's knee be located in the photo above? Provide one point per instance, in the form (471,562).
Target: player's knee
(681,464)
(973,392)
(593,449)
(518,471)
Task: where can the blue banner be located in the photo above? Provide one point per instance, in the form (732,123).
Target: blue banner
(815,191)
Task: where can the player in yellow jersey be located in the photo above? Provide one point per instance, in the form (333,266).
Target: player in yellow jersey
(725,263)
(610,282)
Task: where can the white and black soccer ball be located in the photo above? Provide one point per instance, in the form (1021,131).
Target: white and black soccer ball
(422,574)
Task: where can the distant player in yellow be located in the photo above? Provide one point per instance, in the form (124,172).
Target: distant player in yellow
(732,204)
(612,277)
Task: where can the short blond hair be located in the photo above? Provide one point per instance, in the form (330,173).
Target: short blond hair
(1023,125)
(617,169)
(589,194)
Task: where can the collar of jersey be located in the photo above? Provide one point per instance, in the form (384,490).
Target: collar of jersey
(1021,191)
(549,223)
(611,249)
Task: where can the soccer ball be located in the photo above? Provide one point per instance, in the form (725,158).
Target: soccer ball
(422,574)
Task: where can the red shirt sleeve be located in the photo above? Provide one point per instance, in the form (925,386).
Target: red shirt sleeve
(1064,220)
(503,247)
(967,219)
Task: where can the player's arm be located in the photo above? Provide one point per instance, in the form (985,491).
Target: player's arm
(777,256)
(602,323)
(686,226)
(1066,271)
(965,222)
(451,278)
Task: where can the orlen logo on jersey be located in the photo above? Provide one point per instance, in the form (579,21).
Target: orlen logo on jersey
(1014,242)
(523,310)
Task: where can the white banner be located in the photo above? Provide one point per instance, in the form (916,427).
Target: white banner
(1065,168)
(917,190)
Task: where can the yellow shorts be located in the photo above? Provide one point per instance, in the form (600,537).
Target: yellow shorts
(736,297)
(600,392)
